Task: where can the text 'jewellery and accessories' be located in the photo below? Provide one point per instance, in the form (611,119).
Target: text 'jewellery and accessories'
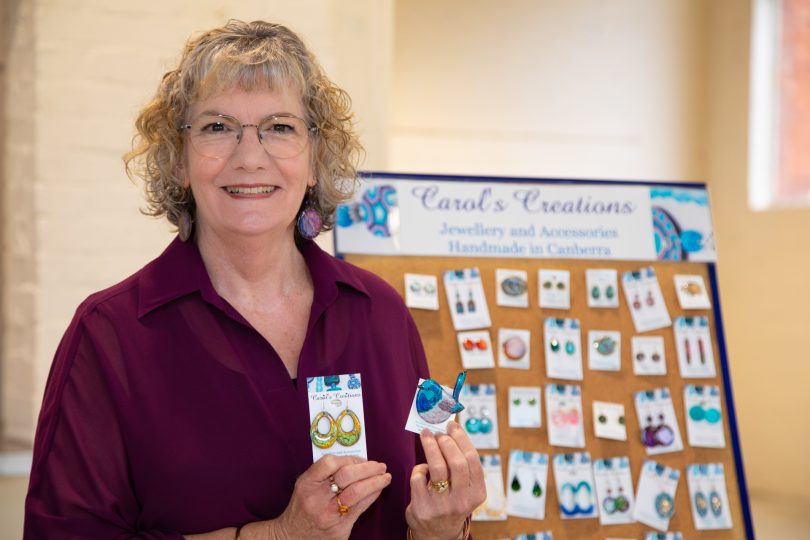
(216,136)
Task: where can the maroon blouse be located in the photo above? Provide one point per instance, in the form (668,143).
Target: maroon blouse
(166,413)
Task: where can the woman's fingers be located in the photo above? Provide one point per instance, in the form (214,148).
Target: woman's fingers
(470,453)
(436,463)
(456,462)
(367,489)
(328,465)
(355,472)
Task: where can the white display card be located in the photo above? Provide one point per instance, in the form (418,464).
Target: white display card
(609,421)
(526,484)
(480,415)
(494,507)
(655,496)
(648,355)
(555,288)
(512,288)
(692,293)
(514,348)
(475,348)
(421,291)
(659,426)
(575,488)
(434,418)
(604,350)
(603,288)
(337,422)
(693,343)
(524,407)
(564,415)
(539,535)
(643,295)
(563,348)
(651,535)
(704,416)
(465,296)
(614,490)
(708,496)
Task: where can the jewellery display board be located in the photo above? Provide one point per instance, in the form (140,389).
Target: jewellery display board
(578,238)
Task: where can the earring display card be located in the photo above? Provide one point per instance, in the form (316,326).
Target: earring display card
(609,421)
(564,415)
(526,489)
(604,352)
(421,291)
(648,355)
(704,416)
(708,496)
(614,490)
(480,415)
(563,348)
(692,293)
(494,507)
(513,348)
(693,343)
(512,289)
(650,535)
(659,426)
(476,349)
(643,295)
(433,407)
(575,488)
(465,296)
(555,289)
(524,407)
(603,288)
(655,496)
(336,416)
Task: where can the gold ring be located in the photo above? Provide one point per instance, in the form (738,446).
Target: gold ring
(342,508)
(440,486)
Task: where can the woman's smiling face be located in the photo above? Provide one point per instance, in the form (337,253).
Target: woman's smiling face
(250,192)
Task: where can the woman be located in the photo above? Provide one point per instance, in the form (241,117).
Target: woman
(172,406)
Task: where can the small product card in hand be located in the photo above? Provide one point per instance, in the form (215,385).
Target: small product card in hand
(494,507)
(564,415)
(465,296)
(609,421)
(526,490)
(421,291)
(603,288)
(614,490)
(648,355)
(704,416)
(693,342)
(555,289)
(512,289)
(524,407)
(655,496)
(692,293)
(643,295)
(563,348)
(475,348)
(336,416)
(575,487)
(513,349)
(651,535)
(480,416)
(539,535)
(604,353)
(708,496)
(435,405)
(659,426)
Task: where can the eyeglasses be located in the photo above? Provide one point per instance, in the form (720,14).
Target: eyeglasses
(217,135)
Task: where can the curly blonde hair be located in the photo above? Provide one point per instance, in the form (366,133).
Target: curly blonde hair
(248,56)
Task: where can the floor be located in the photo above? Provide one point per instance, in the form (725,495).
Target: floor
(774,519)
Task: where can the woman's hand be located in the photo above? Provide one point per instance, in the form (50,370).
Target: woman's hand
(437,514)
(315,510)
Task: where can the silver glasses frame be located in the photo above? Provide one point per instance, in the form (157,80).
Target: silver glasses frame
(311,130)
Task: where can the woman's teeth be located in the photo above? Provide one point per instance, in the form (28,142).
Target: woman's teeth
(249,190)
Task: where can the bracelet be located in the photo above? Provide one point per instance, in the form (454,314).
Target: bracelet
(465,532)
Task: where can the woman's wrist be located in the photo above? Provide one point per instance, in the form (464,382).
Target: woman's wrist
(261,530)
(462,535)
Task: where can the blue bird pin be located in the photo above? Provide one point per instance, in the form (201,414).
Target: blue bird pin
(434,404)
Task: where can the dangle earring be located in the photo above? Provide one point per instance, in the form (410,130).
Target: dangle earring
(515,485)
(459,304)
(636,302)
(701,351)
(324,440)
(185,225)
(650,299)
(348,438)
(309,220)
(537,490)
(688,350)
(471,303)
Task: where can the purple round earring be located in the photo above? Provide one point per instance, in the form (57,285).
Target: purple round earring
(309,220)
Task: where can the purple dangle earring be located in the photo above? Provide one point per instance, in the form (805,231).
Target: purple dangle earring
(309,220)
(471,303)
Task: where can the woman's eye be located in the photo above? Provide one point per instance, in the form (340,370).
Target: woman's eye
(215,127)
(282,129)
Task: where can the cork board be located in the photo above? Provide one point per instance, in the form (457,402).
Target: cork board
(439,339)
